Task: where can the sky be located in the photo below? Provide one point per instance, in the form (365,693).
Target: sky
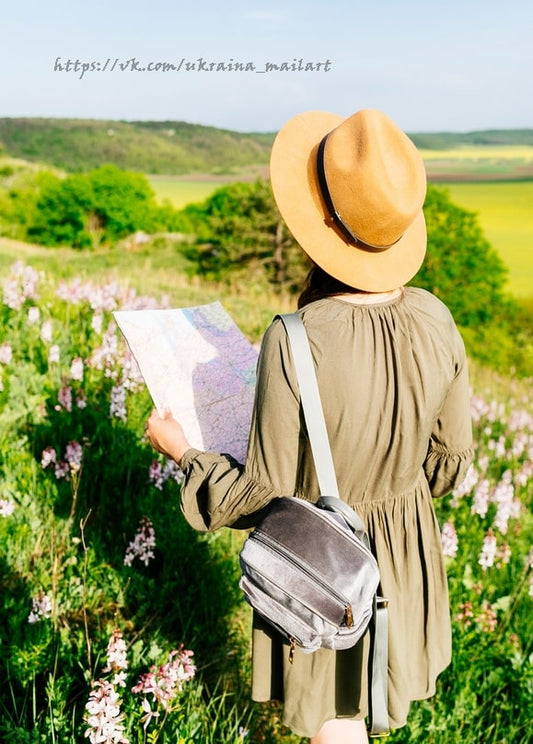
(447,65)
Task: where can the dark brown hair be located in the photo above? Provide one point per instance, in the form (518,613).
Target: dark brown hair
(319,285)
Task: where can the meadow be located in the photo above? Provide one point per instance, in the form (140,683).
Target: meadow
(117,621)
(117,617)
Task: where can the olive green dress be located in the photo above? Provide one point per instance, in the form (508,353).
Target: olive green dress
(394,385)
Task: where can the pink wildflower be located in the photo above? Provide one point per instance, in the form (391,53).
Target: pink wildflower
(34,315)
(164,682)
(62,470)
(143,544)
(503,555)
(41,608)
(449,540)
(48,457)
(76,369)
(481,498)
(96,323)
(488,551)
(117,661)
(65,398)
(466,614)
(46,331)
(103,716)
(81,400)
(6,353)
(53,354)
(117,406)
(155,474)
(74,455)
(464,488)
(487,619)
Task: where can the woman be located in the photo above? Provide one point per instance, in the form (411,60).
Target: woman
(393,379)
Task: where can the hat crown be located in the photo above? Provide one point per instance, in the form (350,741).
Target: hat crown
(375,176)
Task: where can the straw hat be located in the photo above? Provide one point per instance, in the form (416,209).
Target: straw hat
(351,191)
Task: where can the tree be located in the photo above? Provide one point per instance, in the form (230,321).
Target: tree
(240,235)
(103,205)
(460,267)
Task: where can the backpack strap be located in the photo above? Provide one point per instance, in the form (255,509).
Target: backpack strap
(330,499)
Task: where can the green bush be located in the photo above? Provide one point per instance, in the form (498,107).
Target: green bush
(101,206)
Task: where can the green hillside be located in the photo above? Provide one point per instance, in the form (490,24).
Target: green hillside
(180,148)
(166,147)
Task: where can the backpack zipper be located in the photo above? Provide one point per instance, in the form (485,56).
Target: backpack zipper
(327,589)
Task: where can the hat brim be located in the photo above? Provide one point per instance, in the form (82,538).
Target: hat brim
(295,186)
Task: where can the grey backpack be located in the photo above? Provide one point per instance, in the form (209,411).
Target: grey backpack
(307,568)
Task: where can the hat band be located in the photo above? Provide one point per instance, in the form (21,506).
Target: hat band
(334,216)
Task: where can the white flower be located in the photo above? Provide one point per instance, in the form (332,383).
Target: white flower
(449,540)
(76,369)
(46,331)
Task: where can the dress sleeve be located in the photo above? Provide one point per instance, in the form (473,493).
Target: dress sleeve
(217,491)
(450,452)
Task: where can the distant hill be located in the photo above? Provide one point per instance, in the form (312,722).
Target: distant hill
(177,147)
(163,147)
(493,137)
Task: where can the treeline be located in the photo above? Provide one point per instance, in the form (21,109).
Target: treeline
(176,147)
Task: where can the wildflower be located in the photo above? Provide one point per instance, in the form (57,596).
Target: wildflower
(503,555)
(166,681)
(20,286)
(449,540)
(158,474)
(48,457)
(46,331)
(74,455)
(243,733)
(34,315)
(488,551)
(6,353)
(487,619)
(143,544)
(76,369)
(103,715)
(117,406)
(507,507)
(465,614)
(117,661)
(53,354)
(62,470)
(155,474)
(65,398)
(471,478)
(481,498)
(6,508)
(41,608)
(81,400)
(96,323)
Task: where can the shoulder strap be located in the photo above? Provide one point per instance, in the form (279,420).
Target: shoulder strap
(316,424)
(330,499)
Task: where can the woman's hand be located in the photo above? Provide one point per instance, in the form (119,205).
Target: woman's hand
(166,435)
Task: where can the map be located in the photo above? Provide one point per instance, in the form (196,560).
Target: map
(196,362)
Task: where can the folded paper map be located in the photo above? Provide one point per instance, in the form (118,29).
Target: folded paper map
(196,362)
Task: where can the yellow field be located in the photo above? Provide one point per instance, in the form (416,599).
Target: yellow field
(481,152)
(505,213)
